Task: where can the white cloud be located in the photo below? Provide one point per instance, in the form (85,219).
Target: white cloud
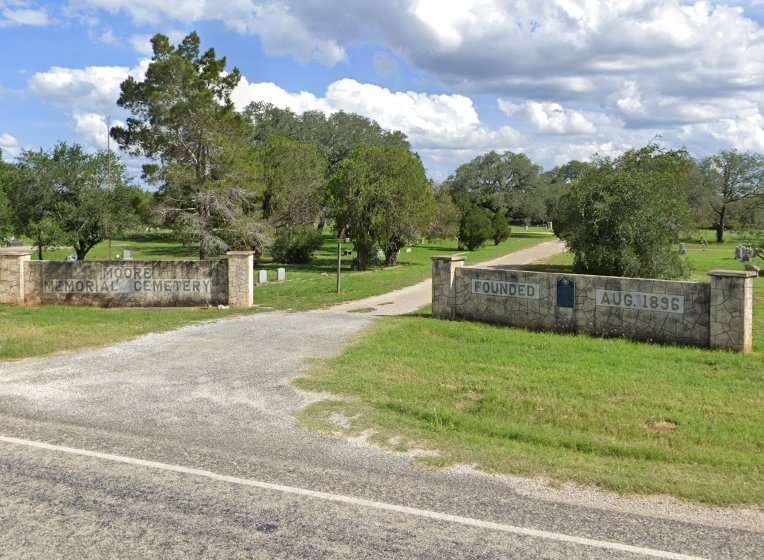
(18,14)
(10,146)
(550,118)
(88,95)
(88,89)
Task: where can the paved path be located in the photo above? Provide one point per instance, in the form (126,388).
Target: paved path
(182,445)
(406,300)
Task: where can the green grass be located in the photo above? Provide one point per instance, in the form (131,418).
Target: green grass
(144,247)
(36,331)
(608,413)
(314,285)
(570,408)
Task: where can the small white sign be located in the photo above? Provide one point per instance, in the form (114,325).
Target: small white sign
(505,289)
(667,303)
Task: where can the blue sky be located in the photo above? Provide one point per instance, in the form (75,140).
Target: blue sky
(555,79)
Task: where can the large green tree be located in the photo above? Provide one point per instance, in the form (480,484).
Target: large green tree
(380,195)
(623,214)
(731,183)
(500,182)
(8,174)
(67,196)
(182,116)
(292,176)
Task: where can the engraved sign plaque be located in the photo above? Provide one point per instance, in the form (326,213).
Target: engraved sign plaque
(566,293)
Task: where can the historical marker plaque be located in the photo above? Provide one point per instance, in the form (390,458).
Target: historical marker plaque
(566,292)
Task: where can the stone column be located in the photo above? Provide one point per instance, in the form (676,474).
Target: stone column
(443,273)
(240,278)
(12,276)
(731,324)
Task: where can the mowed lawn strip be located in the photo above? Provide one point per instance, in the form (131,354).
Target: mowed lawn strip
(37,331)
(623,416)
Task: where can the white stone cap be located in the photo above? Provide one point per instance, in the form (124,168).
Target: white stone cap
(733,273)
(14,252)
(450,258)
(240,253)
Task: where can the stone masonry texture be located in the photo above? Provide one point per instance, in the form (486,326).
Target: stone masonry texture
(685,313)
(127,283)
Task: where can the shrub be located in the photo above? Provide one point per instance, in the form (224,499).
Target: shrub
(295,245)
(501,229)
(476,228)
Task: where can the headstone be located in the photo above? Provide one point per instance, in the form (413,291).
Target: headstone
(408,249)
(71,258)
(347,240)
(550,225)
(13,242)
(127,255)
(348,251)
(280,274)
(739,253)
(262,276)
(566,292)
(747,254)
(380,254)
(682,249)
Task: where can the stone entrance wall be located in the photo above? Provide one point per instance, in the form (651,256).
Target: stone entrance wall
(127,283)
(716,315)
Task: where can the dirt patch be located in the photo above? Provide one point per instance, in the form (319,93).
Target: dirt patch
(662,426)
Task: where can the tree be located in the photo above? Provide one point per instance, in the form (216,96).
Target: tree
(292,176)
(732,180)
(622,215)
(476,228)
(67,196)
(183,116)
(501,229)
(497,181)
(380,195)
(445,224)
(7,175)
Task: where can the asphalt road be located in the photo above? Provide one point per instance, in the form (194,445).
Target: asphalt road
(182,445)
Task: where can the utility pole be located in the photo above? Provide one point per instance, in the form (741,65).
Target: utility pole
(108,179)
(339,264)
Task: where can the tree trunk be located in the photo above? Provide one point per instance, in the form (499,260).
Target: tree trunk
(362,256)
(720,225)
(391,255)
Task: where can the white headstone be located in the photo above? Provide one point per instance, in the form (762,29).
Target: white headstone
(127,255)
(408,249)
(281,274)
(262,276)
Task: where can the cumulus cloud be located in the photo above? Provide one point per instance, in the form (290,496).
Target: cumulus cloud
(88,95)
(10,146)
(20,13)
(551,118)
(571,77)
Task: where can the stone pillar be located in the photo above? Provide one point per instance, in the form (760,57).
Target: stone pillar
(731,324)
(443,273)
(240,278)
(12,276)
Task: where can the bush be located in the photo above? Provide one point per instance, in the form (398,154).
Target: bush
(295,245)
(501,229)
(622,216)
(476,228)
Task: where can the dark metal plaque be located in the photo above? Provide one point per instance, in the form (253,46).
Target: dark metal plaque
(566,293)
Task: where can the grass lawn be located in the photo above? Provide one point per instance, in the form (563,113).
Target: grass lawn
(314,285)
(609,413)
(36,331)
